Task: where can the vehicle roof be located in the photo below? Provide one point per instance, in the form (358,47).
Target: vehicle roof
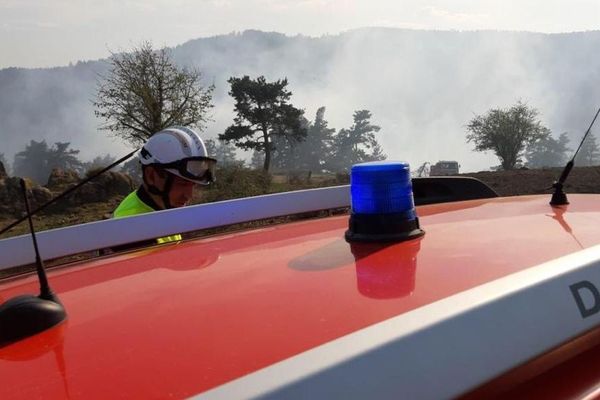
(178,320)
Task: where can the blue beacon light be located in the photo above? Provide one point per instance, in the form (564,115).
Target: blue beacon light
(383,208)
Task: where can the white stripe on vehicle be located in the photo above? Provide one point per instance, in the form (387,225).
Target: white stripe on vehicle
(104,234)
(444,349)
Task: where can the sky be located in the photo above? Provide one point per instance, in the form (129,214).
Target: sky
(45,33)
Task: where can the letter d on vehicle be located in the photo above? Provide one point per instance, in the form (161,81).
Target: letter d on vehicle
(583,292)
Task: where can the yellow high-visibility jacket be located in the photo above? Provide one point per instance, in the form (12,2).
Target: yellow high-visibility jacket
(133,205)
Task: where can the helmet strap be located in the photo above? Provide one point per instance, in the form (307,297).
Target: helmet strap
(164,193)
(166,190)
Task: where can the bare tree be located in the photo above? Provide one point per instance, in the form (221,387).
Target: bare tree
(146,92)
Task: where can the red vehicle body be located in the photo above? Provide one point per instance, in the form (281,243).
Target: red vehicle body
(488,303)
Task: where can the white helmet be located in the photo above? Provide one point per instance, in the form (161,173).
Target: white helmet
(180,151)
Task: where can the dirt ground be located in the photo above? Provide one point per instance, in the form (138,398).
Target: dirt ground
(537,181)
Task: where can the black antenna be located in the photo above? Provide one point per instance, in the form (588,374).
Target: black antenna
(66,192)
(26,315)
(559,198)
(45,291)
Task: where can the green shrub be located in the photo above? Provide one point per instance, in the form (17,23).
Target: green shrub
(234,182)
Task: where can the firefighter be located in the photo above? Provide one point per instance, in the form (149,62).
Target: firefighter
(173,160)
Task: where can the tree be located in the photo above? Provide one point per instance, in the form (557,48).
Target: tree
(507,132)
(132,167)
(262,112)
(146,92)
(377,154)
(60,156)
(223,152)
(37,160)
(287,152)
(98,162)
(548,152)
(317,149)
(589,154)
(310,154)
(356,144)
(211,147)
(258,159)
(4,165)
(32,162)
(101,161)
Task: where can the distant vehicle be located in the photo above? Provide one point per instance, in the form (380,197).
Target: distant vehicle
(442,168)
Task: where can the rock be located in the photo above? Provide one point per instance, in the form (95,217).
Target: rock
(61,179)
(11,197)
(117,183)
(102,188)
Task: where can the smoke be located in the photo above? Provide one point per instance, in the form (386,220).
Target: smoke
(53,105)
(422,87)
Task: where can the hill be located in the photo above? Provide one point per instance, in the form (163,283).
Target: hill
(421,86)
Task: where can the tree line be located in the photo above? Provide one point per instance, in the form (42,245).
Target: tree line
(146,92)
(38,159)
(320,149)
(317,148)
(278,133)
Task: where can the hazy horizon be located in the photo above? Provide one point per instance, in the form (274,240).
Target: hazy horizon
(39,33)
(421,105)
